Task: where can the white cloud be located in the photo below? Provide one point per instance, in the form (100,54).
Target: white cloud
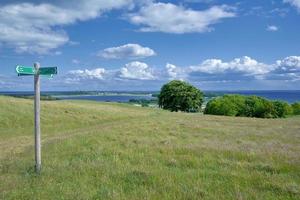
(136,71)
(97,73)
(171,69)
(174,72)
(295,3)
(287,69)
(36,28)
(244,65)
(289,64)
(131,51)
(170,18)
(272,28)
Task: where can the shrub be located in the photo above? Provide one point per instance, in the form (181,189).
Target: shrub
(282,108)
(259,107)
(296,108)
(248,106)
(144,104)
(180,96)
(229,105)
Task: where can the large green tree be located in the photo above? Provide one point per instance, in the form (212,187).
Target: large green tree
(180,96)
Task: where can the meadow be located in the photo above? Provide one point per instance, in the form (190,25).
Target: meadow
(93,150)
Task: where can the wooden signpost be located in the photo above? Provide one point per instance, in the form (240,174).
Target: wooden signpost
(36,71)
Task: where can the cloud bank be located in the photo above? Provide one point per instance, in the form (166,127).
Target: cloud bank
(236,73)
(209,70)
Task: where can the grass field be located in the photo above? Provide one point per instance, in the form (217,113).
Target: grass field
(96,150)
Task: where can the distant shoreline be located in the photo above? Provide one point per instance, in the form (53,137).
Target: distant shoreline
(289,96)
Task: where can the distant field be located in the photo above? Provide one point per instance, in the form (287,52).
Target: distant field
(93,150)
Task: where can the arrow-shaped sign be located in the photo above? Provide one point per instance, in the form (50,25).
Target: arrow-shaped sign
(23,71)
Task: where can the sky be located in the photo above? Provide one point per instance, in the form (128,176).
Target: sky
(139,45)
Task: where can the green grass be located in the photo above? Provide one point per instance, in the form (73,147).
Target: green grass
(96,150)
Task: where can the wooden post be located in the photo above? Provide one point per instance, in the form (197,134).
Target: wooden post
(37,128)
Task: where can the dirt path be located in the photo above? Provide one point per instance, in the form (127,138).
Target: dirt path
(18,144)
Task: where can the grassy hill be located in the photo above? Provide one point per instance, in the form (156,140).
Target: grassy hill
(96,150)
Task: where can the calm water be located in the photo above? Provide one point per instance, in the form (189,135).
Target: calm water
(112,98)
(289,96)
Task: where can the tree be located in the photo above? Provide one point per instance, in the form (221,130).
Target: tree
(180,96)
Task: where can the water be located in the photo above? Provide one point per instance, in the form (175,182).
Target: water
(110,98)
(284,95)
(94,96)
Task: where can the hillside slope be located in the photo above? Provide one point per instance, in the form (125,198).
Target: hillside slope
(94,150)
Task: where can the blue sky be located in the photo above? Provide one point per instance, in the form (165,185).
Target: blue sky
(140,45)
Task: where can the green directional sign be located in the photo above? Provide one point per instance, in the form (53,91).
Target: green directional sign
(48,70)
(23,71)
(27,71)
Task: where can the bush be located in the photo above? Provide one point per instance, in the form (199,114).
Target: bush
(180,96)
(296,108)
(282,108)
(259,107)
(143,102)
(248,106)
(229,105)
